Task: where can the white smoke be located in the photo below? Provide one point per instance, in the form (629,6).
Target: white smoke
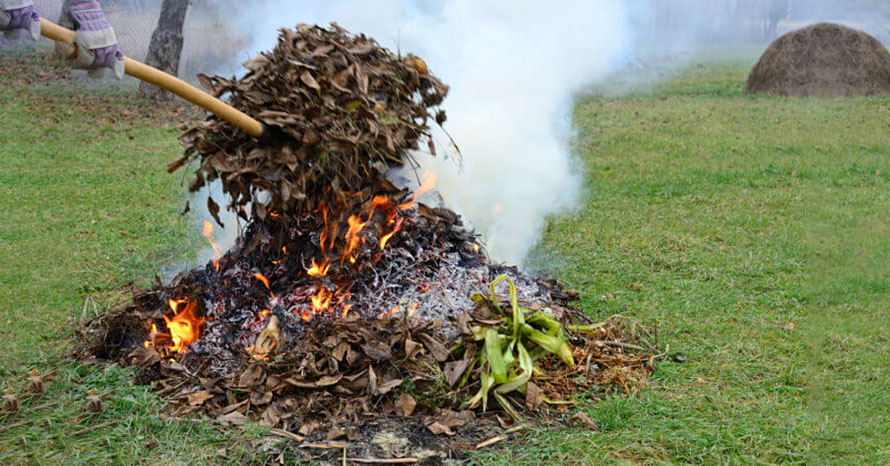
(513,68)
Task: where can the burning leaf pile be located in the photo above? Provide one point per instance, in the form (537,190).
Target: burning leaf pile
(345,298)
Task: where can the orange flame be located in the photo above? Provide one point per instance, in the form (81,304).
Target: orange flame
(476,247)
(322,300)
(395,230)
(353,238)
(321,270)
(377,202)
(318,270)
(184,327)
(265,281)
(429,182)
(217,251)
(387,314)
(151,333)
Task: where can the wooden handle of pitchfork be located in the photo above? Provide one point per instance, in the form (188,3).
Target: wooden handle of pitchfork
(163,80)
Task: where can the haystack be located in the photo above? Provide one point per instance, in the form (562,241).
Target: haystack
(823,60)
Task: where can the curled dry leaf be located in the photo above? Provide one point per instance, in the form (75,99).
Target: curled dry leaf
(10,403)
(454,370)
(533,396)
(35,385)
(94,404)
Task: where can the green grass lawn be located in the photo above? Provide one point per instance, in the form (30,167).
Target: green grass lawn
(754,231)
(87,207)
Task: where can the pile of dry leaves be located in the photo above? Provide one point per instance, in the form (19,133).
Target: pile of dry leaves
(340,374)
(339,110)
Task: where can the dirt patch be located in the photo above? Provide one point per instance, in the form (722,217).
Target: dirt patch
(823,60)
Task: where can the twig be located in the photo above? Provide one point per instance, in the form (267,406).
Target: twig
(27,421)
(502,437)
(184,419)
(515,429)
(286,434)
(329,446)
(171,389)
(83,314)
(43,406)
(14,425)
(492,441)
(619,344)
(384,461)
(667,349)
(92,428)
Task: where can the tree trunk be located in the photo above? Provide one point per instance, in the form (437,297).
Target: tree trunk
(166,46)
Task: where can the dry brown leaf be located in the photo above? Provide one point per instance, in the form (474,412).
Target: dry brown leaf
(307,79)
(377,350)
(198,398)
(435,347)
(270,417)
(447,420)
(454,370)
(325,381)
(533,396)
(412,348)
(582,419)
(233,417)
(405,405)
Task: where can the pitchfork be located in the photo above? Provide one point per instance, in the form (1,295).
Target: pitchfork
(173,84)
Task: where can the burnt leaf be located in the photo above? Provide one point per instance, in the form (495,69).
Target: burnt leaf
(213,208)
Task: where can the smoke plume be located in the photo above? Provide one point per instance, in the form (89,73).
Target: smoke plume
(513,68)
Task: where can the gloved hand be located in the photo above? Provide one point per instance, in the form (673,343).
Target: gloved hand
(96,43)
(18,17)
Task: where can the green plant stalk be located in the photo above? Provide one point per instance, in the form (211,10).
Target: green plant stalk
(495,358)
(550,343)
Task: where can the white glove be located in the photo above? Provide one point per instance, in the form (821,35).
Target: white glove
(18,17)
(96,44)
